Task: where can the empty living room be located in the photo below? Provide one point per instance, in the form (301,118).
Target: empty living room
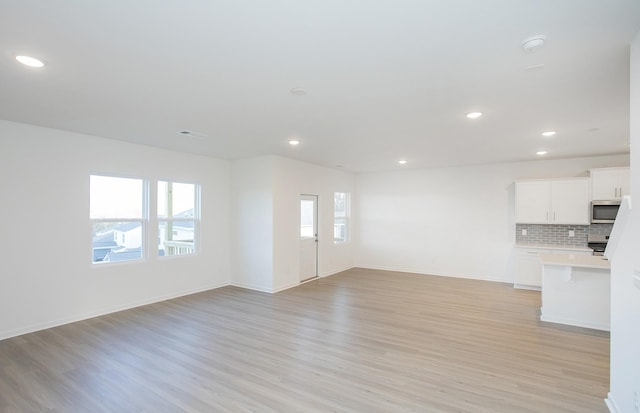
(322,206)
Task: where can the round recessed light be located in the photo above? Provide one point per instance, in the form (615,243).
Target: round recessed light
(29,61)
(294,142)
(533,44)
(298,91)
(474,115)
(548,133)
(402,161)
(541,153)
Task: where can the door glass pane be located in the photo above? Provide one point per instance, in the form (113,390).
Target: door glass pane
(306,218)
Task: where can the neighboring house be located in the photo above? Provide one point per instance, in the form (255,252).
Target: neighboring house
(102,245)
(181,238)
(122,243)
(123,254)
(128,235)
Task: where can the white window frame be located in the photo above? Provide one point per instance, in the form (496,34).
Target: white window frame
(167,220)
(143,220)
(343,221)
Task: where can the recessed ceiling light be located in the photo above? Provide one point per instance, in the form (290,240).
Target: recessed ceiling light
(548,133)
(533,44)
(402,161)
(294,142)
(474,115)
(29,61)
(298,91)
(541,153)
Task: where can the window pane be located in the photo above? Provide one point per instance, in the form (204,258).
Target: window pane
(340,204)
(176,200)
(115,241)
(176,238)
(340,216)
(306,219)
(112,197)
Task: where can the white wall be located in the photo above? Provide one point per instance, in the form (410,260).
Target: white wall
(46,275)
(252,223)
(266,218)
(293,178)
(450,221)
(625,297)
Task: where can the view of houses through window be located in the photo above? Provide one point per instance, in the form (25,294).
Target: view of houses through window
(119,214)
(117,208)
(340,217)
(176,218)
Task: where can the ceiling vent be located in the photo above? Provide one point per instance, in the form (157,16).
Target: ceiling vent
(193,134)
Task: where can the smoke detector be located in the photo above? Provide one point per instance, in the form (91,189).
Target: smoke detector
(533,44)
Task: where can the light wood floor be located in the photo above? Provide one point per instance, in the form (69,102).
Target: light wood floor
(359,341)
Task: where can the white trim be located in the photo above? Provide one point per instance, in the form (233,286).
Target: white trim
(68,320)
(574,322)
(527,287)
(291,285)
(329,274)
(611,404)
(253,287)
(426,272)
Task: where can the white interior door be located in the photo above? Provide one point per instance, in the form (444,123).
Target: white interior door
(308,237)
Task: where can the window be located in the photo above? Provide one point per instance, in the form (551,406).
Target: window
(117,209)
(340,217)
(178,218)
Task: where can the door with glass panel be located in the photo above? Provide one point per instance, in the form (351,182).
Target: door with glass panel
(308,237)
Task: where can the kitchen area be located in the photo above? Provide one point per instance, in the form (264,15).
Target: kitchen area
(563,228)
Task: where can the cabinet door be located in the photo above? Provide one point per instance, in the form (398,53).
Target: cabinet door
(532,202)
(570,202)
(604,184)
(624,182)
(528,269)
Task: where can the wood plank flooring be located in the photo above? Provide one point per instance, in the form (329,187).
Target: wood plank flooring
(359,341)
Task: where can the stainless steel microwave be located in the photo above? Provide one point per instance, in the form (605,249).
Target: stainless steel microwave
(604,212)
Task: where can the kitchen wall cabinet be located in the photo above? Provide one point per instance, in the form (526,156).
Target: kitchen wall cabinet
(529,268)
(556,201)
(609,183)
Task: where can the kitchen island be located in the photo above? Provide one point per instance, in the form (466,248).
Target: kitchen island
(576,290)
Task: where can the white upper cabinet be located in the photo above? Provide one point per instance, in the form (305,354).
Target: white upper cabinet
(609,183)
(532,202)
(557,201)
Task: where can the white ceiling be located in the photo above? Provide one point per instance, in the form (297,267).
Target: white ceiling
(385,79)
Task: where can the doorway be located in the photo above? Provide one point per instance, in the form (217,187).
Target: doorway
(308,237)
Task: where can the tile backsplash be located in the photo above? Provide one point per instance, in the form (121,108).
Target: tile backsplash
(558,235)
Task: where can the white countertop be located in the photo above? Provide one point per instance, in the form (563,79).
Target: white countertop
(554,247)
(576,260)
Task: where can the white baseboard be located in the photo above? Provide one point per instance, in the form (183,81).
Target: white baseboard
(109,310)
(526,287)
(574,322)
(329,274)
(283,287)
(286,287)
(611,404)
(426,272)
(253,287)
